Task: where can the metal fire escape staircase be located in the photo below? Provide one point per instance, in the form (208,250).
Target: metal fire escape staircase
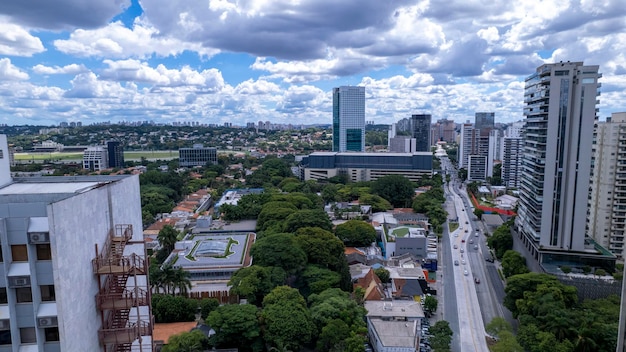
(115,299)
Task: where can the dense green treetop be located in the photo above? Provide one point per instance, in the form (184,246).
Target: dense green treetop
(279,250)
(236,325)
(254,282)
(397,189)
(356,233)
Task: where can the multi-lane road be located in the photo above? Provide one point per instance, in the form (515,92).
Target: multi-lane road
(472,290)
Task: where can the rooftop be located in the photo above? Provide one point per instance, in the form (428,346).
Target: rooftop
(396,333)
(396,308)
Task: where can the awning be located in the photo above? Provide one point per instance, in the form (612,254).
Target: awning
(19,269)
(48,309)
(38,224)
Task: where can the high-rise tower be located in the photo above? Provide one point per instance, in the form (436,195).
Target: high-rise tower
(560,113)
(349,119)
(420,130)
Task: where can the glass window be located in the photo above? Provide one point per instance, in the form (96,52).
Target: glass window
(19,253)
(1,259)
(5,337)
(3,295)
(43,251)
(47,293)
(24,295)
(28,335)
(52,334)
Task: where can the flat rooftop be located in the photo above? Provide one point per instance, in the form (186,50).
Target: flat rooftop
(215,251)
(396,333)
(47,187)
(396,308)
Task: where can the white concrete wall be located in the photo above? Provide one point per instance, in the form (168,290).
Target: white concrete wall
(76,225)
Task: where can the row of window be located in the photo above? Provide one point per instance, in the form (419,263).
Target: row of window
(25,294)
(19,252)
(28,335)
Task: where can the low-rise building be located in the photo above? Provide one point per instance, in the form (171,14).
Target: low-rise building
(394,326)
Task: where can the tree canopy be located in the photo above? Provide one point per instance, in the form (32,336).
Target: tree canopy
(236,325)
(356,233)
(396,189)
(279,250)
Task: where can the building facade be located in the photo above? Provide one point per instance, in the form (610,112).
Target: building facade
(197,156)
(115,153)
(349,119)
(560,113)
(484,120)
(512,161)
(607,202)
(367,166)
(56,292)
(95,158)
(420,130)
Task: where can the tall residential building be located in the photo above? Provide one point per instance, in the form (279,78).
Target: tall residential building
(420,130)
(447,131)
(560,113)
(607,202)
(197,156)
(349,119)
(466,147)
(74,275)
(511,161)
(95,158)
(115,153)
(514,130)
(484,120)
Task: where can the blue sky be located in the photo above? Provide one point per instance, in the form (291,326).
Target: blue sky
(219,61)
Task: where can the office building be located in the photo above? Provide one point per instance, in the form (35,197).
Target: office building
(367,166)
(197,156)
(560,113)
(420,130)
(484,120)
(115,153)
(607,202)
(467,146)
(95,158)
(349,119)
(73,275)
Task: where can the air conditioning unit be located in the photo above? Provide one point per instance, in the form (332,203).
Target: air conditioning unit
(38,237)
(5,324)
(19,281)
(47,322)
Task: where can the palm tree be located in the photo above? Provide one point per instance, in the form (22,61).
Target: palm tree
(167,238)
(181,281)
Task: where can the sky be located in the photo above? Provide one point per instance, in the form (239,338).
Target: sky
(239,61)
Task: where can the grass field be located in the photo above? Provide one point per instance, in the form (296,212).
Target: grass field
(135,155)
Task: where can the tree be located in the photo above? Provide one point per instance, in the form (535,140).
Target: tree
(167,237)
(169,309)
(194,341)
(254,282)
(207,305)
(314,279)
(513,263)
(442,336)
(333,335)
(501,240)
(279,250)
(236,325)
(397,189)
(286,318)
(507,343)
(497,325)
(356,233)
(308,218)
(383,275)
(520,288)
(430,304)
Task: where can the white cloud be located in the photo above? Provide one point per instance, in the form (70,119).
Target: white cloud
(17,41)
(9,72)
(117,41)
(71,69)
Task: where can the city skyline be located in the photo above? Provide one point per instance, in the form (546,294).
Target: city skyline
(278,61)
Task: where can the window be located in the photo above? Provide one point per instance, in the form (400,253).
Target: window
(28,335)
(52,334)
(5,337)
(43,252)
(1,259)
(47,293)
(3,295)
(24,295)
(19,253)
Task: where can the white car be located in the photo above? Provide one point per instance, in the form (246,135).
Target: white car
(463,261)
(465,273)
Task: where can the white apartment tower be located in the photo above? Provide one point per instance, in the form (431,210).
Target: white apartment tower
(349,119)
(607,204)
(73,271)
(512,161)
(560,113)
(466,147)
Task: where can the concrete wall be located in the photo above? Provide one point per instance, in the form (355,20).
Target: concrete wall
(76,226)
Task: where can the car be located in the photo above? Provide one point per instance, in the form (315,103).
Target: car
(456,262)
(465,230)
(467,222)
(463,261)
(455,246)
(476,234)
(465,273)
(490,260)
(475,246)
(462,209)
(471,240)
(476,280)
(462,250)
(463,240)
(456,234)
